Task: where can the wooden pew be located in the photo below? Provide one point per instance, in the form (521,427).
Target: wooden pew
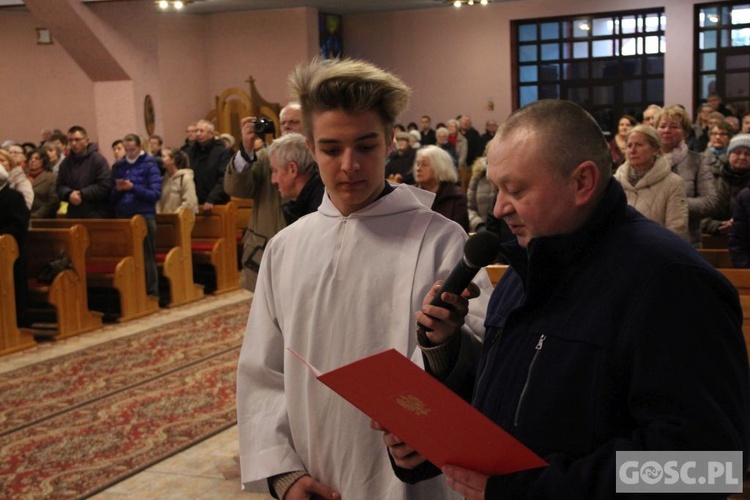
(174,256)
(61,307)
(115,261)
(715,240)
(740,278)
(496,272)
(244,212)
(214,244)
(12,338)
(717,257)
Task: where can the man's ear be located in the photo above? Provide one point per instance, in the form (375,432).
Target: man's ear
(586,179)
(292,168)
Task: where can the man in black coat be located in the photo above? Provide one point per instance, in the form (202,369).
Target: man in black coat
(208,159)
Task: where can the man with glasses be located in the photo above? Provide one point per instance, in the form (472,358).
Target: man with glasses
(248,175)
(84,179)
(716,152)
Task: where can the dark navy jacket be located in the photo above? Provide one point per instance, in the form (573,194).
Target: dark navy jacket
(618,336)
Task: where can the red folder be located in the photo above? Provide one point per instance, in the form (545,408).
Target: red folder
(428,416)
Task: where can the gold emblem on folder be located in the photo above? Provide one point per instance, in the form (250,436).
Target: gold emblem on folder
(413,405)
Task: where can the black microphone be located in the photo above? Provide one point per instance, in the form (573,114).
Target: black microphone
(480,250)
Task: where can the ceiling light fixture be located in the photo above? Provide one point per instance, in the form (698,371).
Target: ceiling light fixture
(172,4)
(459,3)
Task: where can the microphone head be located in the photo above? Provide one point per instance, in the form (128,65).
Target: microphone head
(481,249)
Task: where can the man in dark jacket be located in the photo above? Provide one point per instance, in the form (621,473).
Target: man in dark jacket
(608,333)
(84,179)
(295,174)
(474,146)
(208,159)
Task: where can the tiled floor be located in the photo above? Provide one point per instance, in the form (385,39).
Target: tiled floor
(208,470)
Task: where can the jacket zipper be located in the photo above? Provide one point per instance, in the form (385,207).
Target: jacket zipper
(538,349)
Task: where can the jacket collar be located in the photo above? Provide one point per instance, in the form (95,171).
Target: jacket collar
(547,255)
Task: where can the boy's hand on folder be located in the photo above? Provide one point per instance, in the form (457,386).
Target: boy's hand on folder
(445,322)
(467,483)
(403,455)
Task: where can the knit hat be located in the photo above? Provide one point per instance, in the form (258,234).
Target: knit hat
(403,136)
(416,135)
(739,141)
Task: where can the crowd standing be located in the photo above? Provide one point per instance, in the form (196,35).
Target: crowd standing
(387,209)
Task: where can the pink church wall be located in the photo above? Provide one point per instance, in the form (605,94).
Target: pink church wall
(40,85)
(454,60)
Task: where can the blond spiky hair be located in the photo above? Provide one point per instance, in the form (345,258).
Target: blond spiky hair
(350,85)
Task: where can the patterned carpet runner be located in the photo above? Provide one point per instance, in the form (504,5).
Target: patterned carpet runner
(76,424)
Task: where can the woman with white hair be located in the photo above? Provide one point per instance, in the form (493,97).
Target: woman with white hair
(434,172)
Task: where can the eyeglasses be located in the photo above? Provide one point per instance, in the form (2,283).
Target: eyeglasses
(721,134)
(289,122)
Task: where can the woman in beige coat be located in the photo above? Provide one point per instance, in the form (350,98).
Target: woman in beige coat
(649,183)
(177,185)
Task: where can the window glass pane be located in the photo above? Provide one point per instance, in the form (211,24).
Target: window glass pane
(628,47)
(567,49)
(652,45)
(579,70)
(549,91)
(527,74)
(528,94)
(737,85)
(581,50)
(652,22)
(725,41)
(527,33)
(627,25)
(527,53)
(631,91)
(603,27)
(708,61)
(550,31)
(709,40)
(655,90)
(630,67)
(654,65)
(708,85)
(741,38)
(604,69)
(708,17)
(603,95)
(578,95)
(602,48)
(549,73)
(740,61)
(581,28)
(741,14)
(550,52)
(566,29)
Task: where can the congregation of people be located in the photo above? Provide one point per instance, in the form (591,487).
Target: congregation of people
(348,205)
(688,175)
